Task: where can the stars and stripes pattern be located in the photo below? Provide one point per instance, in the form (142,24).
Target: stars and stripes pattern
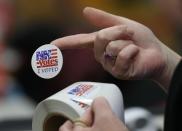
(47,58)
(80,89)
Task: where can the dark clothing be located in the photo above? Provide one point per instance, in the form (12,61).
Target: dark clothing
(173,112)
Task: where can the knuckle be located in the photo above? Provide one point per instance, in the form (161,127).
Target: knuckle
(121,76)
(123,56)
(133,46)
(101,36)
(120,72)
(116,73)
(121,27)
(111,46)
(129,43)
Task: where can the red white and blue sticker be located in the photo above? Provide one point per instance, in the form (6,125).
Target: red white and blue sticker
(47,61)
(80,90)
(81,104)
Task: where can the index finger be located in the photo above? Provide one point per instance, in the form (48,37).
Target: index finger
(76,41)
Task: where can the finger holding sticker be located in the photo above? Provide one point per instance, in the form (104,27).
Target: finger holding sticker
(47,61)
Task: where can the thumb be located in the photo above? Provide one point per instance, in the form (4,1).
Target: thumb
(103,19)
(101,109)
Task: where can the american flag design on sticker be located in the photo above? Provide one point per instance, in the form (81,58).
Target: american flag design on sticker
(82,105)
(47,58)
(80,89)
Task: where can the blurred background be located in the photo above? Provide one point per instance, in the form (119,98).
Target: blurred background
(26,25)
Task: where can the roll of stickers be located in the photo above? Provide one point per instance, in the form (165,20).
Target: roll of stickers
(71,102)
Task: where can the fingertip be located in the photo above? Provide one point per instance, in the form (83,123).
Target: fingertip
(100,103)
(114,71)
(53,42)
(129,31)
(56,42)
(86,9)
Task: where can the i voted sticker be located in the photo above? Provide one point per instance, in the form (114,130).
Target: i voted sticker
(47,61)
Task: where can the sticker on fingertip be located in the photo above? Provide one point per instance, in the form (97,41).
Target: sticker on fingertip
(47,61)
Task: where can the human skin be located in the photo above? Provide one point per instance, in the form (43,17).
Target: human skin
(99,117)
(134,53)
(138,53)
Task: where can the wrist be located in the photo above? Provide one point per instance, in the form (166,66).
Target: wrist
(171,60)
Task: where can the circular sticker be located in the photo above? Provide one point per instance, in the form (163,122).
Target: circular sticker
(47,61)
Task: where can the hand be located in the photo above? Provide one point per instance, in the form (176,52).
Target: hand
(135,52)
(99,118)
